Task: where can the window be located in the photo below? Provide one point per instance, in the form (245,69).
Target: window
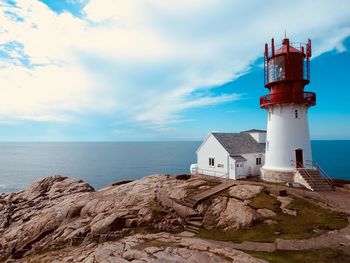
(296,114)
(220,165)
(258,161)
(211,162)
(276,69)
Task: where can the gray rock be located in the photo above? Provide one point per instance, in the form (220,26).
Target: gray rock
(267,213)
(56,212)
(245,191)
(236,215)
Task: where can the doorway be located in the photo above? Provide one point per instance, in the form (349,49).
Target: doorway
(299,158)
(239,170)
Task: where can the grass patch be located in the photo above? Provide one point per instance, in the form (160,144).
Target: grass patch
(311,220)
(224,193)
(304,256)
(264,200)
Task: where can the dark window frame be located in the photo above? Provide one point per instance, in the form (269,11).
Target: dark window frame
(258,161)
(211,162)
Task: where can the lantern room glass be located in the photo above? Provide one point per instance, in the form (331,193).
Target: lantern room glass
(276,69)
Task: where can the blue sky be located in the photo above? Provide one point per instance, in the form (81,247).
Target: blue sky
(114,70)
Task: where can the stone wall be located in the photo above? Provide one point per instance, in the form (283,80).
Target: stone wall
(276,176)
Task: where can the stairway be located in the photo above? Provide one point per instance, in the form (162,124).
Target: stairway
(194,223)
(313,178)
(190,202)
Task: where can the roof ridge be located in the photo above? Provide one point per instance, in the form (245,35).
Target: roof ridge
(239,143)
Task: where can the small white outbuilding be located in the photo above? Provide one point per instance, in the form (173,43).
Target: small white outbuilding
(231,155)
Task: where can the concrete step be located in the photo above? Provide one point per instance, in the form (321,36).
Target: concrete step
(312,174)
(188,204)
(322,185)
(317,181)
(319,187)
(317,178)
(195,218)
(192,229)
(195,223)
(323,190)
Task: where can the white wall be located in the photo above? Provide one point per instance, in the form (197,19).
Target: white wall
(250,166)
(211,148)
(260,137)
(285,134)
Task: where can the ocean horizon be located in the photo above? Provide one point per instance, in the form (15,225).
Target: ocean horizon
(102,163)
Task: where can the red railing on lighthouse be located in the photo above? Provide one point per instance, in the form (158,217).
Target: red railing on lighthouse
(307,98)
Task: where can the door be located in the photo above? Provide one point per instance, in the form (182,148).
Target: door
(240,170)
(232,169)
(299,158)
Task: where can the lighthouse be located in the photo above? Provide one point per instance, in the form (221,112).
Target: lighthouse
(286,73)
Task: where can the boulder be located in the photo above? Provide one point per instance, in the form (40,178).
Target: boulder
(285,202)
(178,194)
(132,254)
(211,216)
(236,215)
(245,191)
(112,222)
(266,213)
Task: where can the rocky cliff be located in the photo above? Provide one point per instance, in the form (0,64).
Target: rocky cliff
(60,219)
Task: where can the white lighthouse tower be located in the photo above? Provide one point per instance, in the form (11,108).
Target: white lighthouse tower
(287,71)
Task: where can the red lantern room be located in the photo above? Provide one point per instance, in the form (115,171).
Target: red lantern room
(286,72)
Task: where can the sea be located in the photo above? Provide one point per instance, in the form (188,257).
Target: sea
(102,163)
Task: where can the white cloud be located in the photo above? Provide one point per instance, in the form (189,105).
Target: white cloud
(146,60)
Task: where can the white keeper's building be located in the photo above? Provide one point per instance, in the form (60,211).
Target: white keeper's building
(231,155)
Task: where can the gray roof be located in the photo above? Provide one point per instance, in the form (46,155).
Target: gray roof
(239,143)
(239,158)
(255,130)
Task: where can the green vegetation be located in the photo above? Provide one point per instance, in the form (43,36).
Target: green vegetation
(303,256)
(311,220)
(264,200)
(224,193)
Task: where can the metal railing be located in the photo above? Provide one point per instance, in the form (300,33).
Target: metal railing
(296,45)
(322,172)
(308,98)
(300,167)
(210,172)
